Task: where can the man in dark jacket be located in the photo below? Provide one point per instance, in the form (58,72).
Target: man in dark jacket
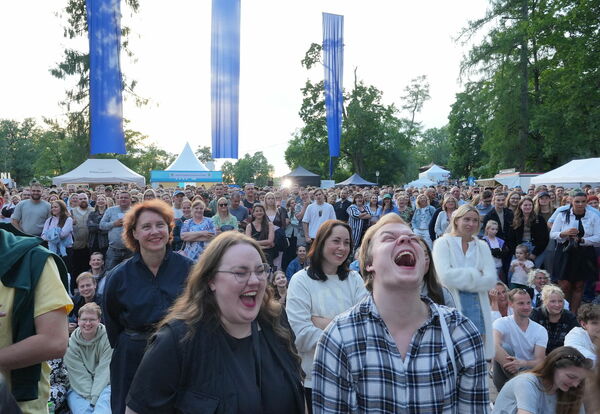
(341,206)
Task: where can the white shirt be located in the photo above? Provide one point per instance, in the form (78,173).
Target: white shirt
(317,214)
(579,339)
(523,343)
(307,297)
(591,225)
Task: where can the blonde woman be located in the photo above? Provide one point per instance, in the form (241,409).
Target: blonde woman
(422,217)
(466,267)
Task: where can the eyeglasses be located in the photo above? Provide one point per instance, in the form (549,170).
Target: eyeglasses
(88,320)
(243,275)
(223,205)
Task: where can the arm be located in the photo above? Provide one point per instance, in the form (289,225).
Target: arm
(469,279)
(46,227)
(102,372)
(556,232)
(106,223)
(541,236)
(438,224)
(501,356)
(594,238)
(332,380)
(299,312)
(300,214)
(111,309)
(16,217)
(67,229)
(49,342)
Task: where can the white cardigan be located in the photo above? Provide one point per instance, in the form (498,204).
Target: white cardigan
(478,278)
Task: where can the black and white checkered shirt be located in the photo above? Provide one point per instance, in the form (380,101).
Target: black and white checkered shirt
(358,367)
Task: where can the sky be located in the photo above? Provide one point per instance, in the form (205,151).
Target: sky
(389,42)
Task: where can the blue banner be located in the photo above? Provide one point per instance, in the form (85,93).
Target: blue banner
(106,84)
(225,71)
(333,61)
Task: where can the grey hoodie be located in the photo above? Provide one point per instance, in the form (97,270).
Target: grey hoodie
(88,363)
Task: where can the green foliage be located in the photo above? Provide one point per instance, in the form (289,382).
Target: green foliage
(204,154)
(374,136)
(433,146)
(249,169)
(17,148)
(559,42)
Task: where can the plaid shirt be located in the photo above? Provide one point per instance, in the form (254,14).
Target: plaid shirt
(358,368)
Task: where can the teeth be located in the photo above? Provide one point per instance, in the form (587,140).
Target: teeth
(250,294)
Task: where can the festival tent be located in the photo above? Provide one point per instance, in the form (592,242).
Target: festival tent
(436,174)
(421,182)
(303,177)
(573,173)
(100,171)
(187,161)
(355,179)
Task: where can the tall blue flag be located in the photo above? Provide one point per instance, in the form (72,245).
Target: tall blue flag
(225,68)
(333,60)
(106,84)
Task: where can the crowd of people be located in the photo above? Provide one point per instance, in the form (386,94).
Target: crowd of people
(227,299)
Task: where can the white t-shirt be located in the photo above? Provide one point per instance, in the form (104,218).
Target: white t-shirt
(522,343)
(519,275)
(317,214)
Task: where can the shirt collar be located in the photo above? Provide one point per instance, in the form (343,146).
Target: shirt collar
(369,308)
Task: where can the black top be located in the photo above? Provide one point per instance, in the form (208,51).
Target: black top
(341,208)
(557,330)
(540,235)
(78,302)
(503,230)
(212,372)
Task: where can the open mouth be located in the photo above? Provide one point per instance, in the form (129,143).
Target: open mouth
(248,299)
(406,259)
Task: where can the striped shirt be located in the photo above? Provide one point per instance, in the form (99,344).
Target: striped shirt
(358,367)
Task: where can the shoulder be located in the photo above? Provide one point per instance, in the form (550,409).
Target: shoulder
(300,278)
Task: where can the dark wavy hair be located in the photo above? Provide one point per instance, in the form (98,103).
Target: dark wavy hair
(315,254)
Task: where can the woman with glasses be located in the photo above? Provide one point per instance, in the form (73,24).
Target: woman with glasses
(224,220)
(554,386)
(139,292)
(224,347)
(322,291)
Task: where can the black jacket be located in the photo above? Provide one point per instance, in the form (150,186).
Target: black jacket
(508,219)
(196,378)
(539,236)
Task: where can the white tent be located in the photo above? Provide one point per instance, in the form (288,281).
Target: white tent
(436,174)
(576,172)
(421,182)
(187,161)
(100,171)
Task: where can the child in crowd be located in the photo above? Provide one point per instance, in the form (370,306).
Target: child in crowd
(520,268)
(496,245)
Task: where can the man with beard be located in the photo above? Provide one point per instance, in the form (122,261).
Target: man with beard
(250,199)
(112,221)
(178,197)
(29,215)
(81,252)
(342,205)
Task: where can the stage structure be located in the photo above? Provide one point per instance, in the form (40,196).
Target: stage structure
(186,169)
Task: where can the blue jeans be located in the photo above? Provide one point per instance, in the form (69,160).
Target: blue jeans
(80,405)
(471,308)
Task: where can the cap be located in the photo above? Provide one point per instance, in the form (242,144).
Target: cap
(387,196)
(543,194)
(176,193)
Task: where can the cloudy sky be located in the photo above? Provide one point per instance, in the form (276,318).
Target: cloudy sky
(389,41)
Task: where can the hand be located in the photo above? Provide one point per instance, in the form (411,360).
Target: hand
(532,257)
(2,314)
(72,327)
(118,223)
(569,233)
(308,239)
(513,365)
(320,322)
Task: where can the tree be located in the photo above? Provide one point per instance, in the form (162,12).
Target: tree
(553,46)
(416,94)
(374,137)
(18,149)
(249,169)
(433,146)
(204,154)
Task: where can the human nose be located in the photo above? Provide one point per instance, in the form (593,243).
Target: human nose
(403,238)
